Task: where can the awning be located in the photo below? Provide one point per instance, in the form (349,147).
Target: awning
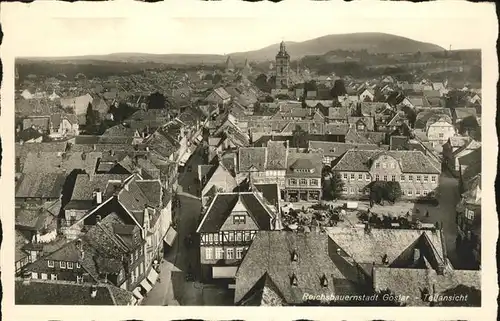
(152,276)
(137,293)
(170,236)
(224,272)
(146,285)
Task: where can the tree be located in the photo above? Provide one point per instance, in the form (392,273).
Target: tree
(388,191)
(217,79)
(338,88)
(336,185)
(90,117)
(468,124)
(299,137)
(156,101)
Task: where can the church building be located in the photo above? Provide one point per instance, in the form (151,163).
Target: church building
(282,68)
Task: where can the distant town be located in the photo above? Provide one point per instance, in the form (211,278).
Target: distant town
(347,179)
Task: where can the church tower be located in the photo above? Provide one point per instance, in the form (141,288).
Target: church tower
(282,67)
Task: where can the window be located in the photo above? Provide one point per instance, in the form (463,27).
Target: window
(239,219)
(367,177)
(231,236)
(43,276)
(352,176)
(219,253)
(385,178)
(141,268)
(417,192)
(208,253)
(239,236)
(377,165)
(402,178)
(34,275)
(136,255)
(303,182)
(62,264)
(441,135)
(292,181)
(216,238)
(230,253)
(132,258)
(384,165)
(211,237)
(53,276)
(77,265)
(360,177)
(426,178)
(433,178)
(393,178)
(70,265)
(79,279)
(410,178)
(313,182)
(410,192)
(248,236)
(50,263)
(418,178)
(469,214)
(425,192)
(345,175)
(239,253)
(377,177)
(344,189)
(393,165)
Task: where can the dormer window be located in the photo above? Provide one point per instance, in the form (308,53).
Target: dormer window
(293,280)
(295,256)
(324,281)
(385,259)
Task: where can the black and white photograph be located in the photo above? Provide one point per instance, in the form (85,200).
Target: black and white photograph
(253,161)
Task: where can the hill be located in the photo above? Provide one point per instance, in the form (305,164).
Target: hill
(372,42)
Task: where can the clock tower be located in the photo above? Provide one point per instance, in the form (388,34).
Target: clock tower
(282,67)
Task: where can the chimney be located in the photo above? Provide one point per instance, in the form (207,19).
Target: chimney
(98,196)
(295,256)
(293,280)
(93,292)
(94,147)
(324,281)
(385,259)
(98,218)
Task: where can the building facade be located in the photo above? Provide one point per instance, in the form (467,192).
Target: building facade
(417,175)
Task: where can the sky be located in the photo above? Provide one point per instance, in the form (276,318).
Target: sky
(88,29)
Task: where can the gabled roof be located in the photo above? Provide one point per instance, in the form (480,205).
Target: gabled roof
(369,247)
(222,205)
(276,155)
(411,161)
(270,256)
(336,149)
(252,157)
(410,283)
(45,292)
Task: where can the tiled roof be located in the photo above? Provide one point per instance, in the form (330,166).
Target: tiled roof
(270,192)
(270,256)
(471,158)
(337,113)
(368,121)
(336,149)
(222,205)
(360,137)
(249,157)
(410,282)
(276,155)
(410,161)
(35,219)
(44,292)
(221,92)
(369,247)
(336,129)
(424,117)
(40,185)
(85,185)
(51,162)
(39,122)
(461,113)
(120,130)
(298,160)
